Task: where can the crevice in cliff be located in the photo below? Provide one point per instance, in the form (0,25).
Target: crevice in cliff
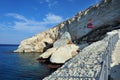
(47,46)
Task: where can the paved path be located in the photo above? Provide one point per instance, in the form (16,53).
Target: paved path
(115,66)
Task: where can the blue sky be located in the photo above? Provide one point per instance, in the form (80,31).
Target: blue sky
(21,19)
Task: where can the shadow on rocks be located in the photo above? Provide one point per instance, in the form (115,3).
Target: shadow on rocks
(115,73)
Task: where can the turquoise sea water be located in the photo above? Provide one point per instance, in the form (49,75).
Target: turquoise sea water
(23,66)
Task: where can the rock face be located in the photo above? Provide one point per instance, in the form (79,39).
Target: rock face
(62,50)
(64,40)
(88,64)
(64,53)
(103,14)
(39,42)
(60,54)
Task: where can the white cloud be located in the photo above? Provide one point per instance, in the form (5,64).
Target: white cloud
(5,26)
(51,18)
(24,24)
(51,3)
(17,16)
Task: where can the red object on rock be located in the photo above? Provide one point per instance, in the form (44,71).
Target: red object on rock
(90,25)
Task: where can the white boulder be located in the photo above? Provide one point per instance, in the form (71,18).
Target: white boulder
(64,40)
(62,50)
(48,53)
(64,53)
(60,54)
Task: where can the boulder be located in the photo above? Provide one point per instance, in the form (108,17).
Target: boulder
(64,53)
(48,53)
(62,50)
(60,54)
(64,40)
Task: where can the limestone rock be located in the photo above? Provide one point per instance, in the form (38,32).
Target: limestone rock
(32,46)
(62,50)
(104,14)
(64,40)
(87,65)
(60,54)
(48,53)
(64,53)
(39,42)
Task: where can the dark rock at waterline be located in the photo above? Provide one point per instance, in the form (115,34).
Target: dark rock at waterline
(46,61)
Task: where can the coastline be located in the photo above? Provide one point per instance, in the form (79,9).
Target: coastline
(88,63)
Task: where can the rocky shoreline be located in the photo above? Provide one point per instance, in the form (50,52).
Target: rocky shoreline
(88,63)
(104,17)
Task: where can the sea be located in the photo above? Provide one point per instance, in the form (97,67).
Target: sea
(21,66)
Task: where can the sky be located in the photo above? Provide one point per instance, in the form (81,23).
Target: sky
(22,19)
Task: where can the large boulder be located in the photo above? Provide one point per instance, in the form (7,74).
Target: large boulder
(48,53)
(60,54)
(62,50)
(64,53)
(64,40)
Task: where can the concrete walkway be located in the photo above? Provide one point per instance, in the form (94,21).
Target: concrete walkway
(115,66)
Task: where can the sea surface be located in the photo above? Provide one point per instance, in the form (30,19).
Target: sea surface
(21,66)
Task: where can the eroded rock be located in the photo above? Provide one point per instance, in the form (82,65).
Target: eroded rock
(39,42)
(64,40)
(64,53)
(104,14)
(62,50)
(60,54)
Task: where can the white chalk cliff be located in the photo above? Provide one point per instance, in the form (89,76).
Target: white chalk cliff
(104,15)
